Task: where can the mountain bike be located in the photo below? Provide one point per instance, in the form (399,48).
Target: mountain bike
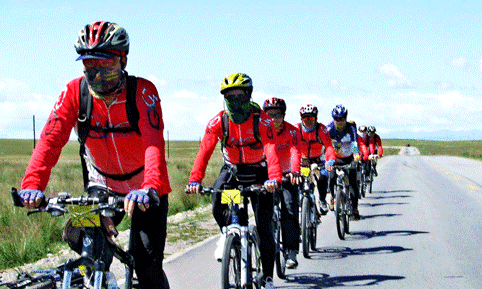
(309,213)
(361,178)
(343,204)
(241,266)
(90,219)
(372,160)
(281,253)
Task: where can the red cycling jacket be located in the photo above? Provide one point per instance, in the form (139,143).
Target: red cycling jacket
(362,147)
(374,143)
(288,146)
(311,146)
(236,150)
(112,153)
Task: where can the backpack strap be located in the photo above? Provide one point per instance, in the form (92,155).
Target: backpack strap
(83,126)
(131,105)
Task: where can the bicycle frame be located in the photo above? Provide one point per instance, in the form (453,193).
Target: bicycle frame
(233,198)
(89,220)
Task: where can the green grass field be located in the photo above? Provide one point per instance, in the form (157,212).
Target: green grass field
(26,239)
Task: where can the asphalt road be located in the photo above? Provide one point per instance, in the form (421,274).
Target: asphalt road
(420,228)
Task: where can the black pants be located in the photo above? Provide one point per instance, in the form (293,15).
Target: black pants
(351,178)
(290,223)
(149,239)
(262,205)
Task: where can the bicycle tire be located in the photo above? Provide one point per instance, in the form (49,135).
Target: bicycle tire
(313,227)
(361,184)
(340,214)
(48,284)
(369,188)
(348,209)
(280,257)
(305,222)
(231,264)
(256,264)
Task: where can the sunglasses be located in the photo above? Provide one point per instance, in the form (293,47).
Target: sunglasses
(109,62)
(236,96)
(339,118)
(276,115)
(308,118)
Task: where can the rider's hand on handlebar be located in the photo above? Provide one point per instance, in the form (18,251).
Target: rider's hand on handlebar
(329,165)
(139,197)
(271,185)
(193,188)
(356,158)
(295,178)
(31,199)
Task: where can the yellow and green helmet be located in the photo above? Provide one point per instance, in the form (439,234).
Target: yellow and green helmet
(237,81)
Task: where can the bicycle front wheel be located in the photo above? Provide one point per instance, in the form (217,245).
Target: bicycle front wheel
(305,224)
(280,258)
(340,213)
(49,284)
(312,229)
(231,264)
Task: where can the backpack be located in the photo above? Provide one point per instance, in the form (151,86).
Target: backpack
(84,126)
(225,125)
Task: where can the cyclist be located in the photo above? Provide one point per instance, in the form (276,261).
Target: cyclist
(315,141)
(250,157)
(363,146)
(374,145)
(287,143)
(345,141)
(122,160)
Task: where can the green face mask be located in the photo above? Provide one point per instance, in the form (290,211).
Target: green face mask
(238,110)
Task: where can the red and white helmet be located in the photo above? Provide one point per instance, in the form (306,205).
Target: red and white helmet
(309,110)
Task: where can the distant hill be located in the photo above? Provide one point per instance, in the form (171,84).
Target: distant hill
(443,135)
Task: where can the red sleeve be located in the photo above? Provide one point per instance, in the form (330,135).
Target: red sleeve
(268,138)
(326,139)
(151,126)
(379,144)
(363,148)
(55,134)
(295,151)
(212,135)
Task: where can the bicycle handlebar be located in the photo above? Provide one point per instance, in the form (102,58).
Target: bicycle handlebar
(56,205)
(350,166)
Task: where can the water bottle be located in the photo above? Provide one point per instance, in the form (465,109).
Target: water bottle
(110,281)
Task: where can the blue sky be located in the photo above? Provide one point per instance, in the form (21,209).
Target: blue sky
(410,68)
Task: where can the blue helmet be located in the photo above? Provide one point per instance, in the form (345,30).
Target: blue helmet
(339,112)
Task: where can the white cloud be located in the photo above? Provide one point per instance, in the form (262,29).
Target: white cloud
(185,94)
(460,62)
(157,82)
(395,78)
(337,86)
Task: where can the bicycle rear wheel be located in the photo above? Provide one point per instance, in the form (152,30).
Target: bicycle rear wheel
(231,264)
(305,224)
(340,213)
(280,258)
